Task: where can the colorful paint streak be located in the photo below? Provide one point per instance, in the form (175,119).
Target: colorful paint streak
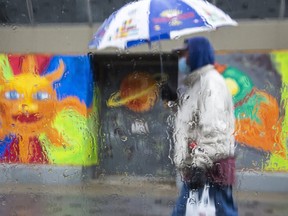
(43,118)
(256,112)
(258,120)
(280,59)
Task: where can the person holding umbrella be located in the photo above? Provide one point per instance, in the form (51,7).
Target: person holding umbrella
(204,131)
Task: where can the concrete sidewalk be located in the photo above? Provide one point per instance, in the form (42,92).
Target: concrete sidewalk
(119,196)
(67,191)
(249,180)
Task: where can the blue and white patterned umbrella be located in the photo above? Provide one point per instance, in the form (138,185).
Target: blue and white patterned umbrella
(145,21)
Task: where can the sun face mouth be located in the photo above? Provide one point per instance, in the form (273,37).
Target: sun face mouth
(27,118)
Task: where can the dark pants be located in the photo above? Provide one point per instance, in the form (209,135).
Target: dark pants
(223,199)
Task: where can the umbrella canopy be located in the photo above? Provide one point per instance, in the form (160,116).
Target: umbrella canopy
(145,21)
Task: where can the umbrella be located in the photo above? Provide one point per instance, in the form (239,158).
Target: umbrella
(145,21)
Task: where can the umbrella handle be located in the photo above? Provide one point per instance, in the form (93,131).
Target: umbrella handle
(161,59)
(160,51)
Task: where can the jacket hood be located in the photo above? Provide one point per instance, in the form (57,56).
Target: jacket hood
(201,52)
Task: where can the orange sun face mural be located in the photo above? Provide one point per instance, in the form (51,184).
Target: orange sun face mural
(29,106)
(28,101)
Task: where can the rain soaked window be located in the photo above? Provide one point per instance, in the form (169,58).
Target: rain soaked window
(13,12)
(286,10)
(242,9)
(102,9)
(94,132)
(64,11)
(86,11)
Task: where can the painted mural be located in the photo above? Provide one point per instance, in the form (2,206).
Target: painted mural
(256,83)
(139,91)
(136,120)
(134,113)
(48,110)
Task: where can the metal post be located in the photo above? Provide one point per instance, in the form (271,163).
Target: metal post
(89,13)
(30,11)
(282,9)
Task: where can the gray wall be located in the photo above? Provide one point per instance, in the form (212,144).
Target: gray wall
(73,39)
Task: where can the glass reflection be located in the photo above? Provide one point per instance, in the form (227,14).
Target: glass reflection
(82,155)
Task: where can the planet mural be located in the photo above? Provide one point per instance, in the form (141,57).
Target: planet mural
(139,92)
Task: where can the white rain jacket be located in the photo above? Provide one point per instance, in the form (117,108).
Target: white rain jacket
(205,117)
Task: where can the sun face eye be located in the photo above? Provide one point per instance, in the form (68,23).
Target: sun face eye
(12,95)
(41,96)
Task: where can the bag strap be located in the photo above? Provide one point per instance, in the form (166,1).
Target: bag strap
(205,199)
(193,194)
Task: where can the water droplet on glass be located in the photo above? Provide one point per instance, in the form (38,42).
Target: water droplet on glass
(124,138)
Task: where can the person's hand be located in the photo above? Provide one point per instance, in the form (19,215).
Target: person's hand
(195,177)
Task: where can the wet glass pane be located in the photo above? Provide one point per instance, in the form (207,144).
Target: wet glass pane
(13,12)
(255,9)
(95,133)
(286,10)
(102,9)
(63,11)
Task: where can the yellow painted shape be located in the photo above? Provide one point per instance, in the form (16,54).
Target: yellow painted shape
(232,86)
(5,69)
(81,140)
(276,162)
(115,100)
